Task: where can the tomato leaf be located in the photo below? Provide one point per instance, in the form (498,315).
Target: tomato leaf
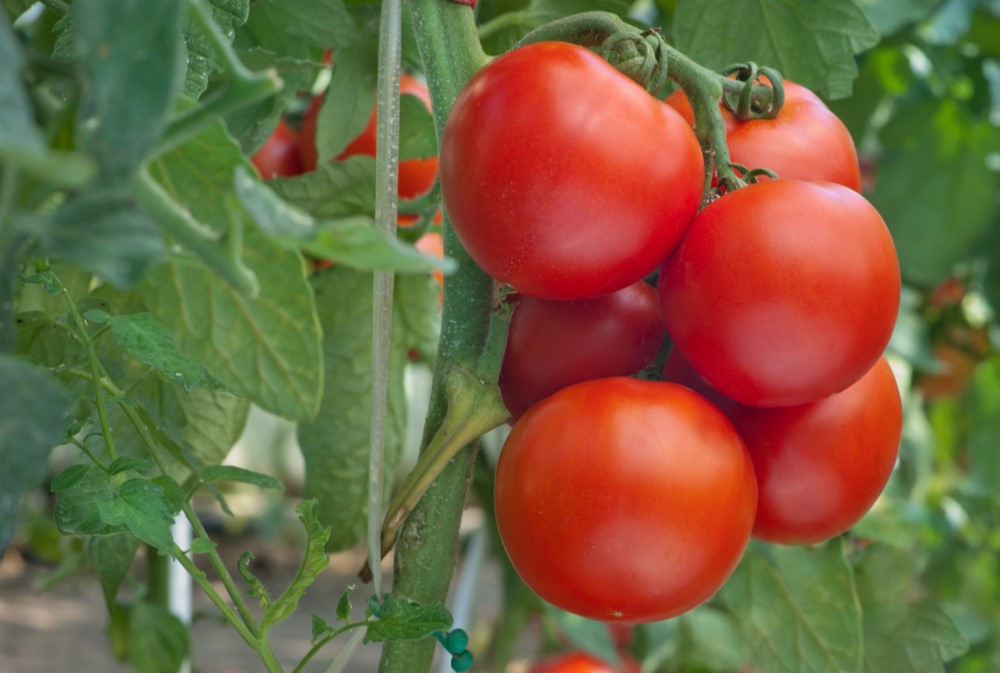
(241,475)
(147,60)
(111,556)
(404,619)
(105,232)
(888,16)
(901,635)
(202,61)
(141,506)
(267,348)
(810,43)
(158,640)
(348,102)
(788,620)
(76,511)
(939,151)
(335,189)
(586,634)
(314,561)
(290,26)
(143,336)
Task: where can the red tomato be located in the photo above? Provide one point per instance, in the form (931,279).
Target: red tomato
(783,292)
(819,466)
(279,156)
(624,500)
(554,344)
(563,177)
(582,662)
(806,141)
(416,176)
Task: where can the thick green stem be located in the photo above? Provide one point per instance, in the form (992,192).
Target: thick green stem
(427,549)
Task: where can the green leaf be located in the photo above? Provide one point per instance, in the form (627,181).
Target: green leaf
(22,143)
(336,189)
(936,170)
(788,619)
(70,477)
(266,348)
(105,232)
(288,26)
(811,43)
(147,60)
(320,628)
(335,445)
(348,102)
(344,605)
(900,635)
(158,639)
(256,587)
(173,494)
(242,475)
(143,336)
(355,242)
(202,545)
(710,640)
(313,563)
(77,510)
(33,412)
(142,507)
(126,463)
(202,61)
(403,619)
(417,139)
(111,556)
(984,428)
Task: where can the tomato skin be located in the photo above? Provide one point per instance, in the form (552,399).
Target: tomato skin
(820,466)
(279,156)
(563,177)
(582,662)
(624,500)
(806,141)
(554,344)
(416,176)
(783,292)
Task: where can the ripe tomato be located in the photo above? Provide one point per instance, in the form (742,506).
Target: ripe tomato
(582,662)
(819,466)
(416,176)
(563,177)
(553,344)
(624,500)
(806,141)
(783,292)
(279,155)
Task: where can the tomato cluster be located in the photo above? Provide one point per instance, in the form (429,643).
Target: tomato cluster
(628,499)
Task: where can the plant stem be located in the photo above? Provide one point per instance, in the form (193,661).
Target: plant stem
(93,364)
(427,549)
(242,88)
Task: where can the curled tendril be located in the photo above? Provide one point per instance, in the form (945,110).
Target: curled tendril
(741,177)
(639,56)
(745,106)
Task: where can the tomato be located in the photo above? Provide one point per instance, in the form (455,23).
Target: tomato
(819,466)
(563,177)
(553,344)
(783,292)
(279,155)
(416,176)
(806,141)
(624,500)
(582,662)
